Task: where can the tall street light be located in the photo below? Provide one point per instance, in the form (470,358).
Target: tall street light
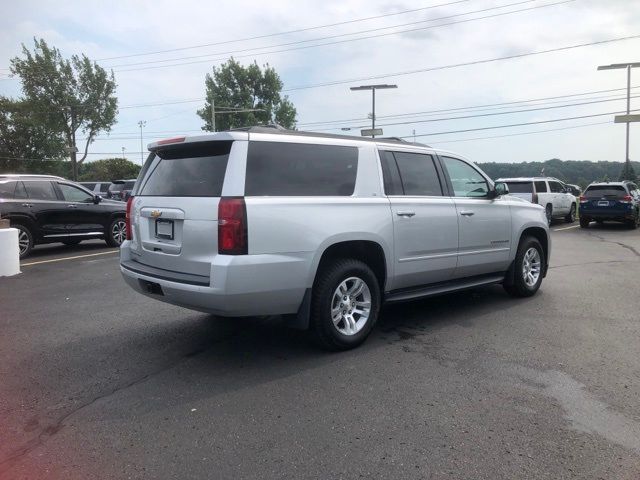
(628,67)
(373,89)
(142,124)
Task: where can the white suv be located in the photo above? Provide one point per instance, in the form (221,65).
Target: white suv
(549,192)
(322,228)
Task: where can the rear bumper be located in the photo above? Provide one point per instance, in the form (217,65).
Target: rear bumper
(243,285)
(608,214)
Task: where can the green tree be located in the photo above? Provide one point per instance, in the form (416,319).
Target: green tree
(628,173)
(109,169)
(254,94)
(67,96)
(25,144)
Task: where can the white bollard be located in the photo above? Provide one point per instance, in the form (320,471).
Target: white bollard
(9,252)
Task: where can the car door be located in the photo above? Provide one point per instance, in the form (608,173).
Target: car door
(484,223)
(82,215)
(47,209)
(424,219)
(560,199)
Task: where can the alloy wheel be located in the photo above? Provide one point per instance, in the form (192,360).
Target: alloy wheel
(119,231)
(351,306)
(531,265)
(23,242)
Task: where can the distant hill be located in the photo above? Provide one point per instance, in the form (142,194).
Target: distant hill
(580,172)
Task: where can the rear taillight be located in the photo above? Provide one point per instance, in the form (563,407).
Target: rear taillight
(232,227)
(626,199)
(128,219)
(583,199)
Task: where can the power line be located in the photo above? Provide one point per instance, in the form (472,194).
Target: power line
(515,124)
(318,39)
(339,41)
(299,30)
(456,65)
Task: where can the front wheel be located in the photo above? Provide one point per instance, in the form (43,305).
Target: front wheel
(571,217)
(528,267)
(345,304)
(25,240)
(116,233)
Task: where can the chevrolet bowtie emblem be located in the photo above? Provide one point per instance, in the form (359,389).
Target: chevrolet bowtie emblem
(156,213)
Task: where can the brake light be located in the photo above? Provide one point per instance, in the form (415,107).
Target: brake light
(626,199)
(128,219)
(583,199)
(167,141)
(232,227)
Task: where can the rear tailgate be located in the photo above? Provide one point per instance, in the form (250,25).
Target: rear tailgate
(605,199)
(175,209)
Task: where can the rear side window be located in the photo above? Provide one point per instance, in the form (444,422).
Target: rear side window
(541,186)
(520,187)
(417,173)
(40,190)
(7,189)
(556,187)
(188,171)
(605,191)
(299,169)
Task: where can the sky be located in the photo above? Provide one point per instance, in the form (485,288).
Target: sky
(415,38)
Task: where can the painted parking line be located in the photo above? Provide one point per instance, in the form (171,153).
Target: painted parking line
(68,258)
(566,228)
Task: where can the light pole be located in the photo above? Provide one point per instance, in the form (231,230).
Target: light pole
(142,124)
(628,67)
(123,153)
(373,89)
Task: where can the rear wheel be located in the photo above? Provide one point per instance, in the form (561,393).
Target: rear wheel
(25,240)
(571,217)
(345,304)
(528,267)
(635,223)
(584,222)
(116,233)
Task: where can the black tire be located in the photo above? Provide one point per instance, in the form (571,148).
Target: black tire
(571,217)
(25,240)
(71,242)
(519,287)
(116,233)
(549,213)
(635,223)
(322,328)
(584,222)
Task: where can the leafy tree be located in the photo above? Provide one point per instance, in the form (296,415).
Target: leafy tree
(252,91)
(24,142)
(109,169)
(67,96)
(628,173)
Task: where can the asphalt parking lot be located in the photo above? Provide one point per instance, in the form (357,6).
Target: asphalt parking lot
(100,382)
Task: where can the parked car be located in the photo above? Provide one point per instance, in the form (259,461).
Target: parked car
(47,209)
(322,228)
(615,201)
(97,188)
(548,192)
(574,190)
(120,189)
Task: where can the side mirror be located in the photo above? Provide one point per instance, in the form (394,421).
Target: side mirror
(501,188)
(97,199)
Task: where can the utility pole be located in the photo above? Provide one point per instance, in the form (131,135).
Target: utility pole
(213,115)
(373,89)
(142,124)
(123,153)
(628,67)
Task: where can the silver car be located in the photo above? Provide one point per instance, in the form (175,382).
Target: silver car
(322,228)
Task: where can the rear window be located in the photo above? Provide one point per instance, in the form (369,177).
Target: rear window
(605,191)
(520,187)
(299,169)
(541,186)
(42,190)
(189,171)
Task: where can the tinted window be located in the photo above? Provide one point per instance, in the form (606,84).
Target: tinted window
(605,191)
(541,186)
(104,187)
(466,180)
(556,187)
(390,174)
(520,187)
(74,194)
(298,169)
(418,174)
(7,189)
(40,190)
(90,186)
(20,192)
(188,171)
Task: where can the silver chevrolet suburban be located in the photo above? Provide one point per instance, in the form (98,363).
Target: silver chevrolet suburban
(322,228)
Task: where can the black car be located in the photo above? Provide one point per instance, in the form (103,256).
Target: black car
(49,209)
(120,189)
(615,201)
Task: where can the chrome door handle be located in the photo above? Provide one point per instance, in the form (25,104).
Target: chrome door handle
(72,206)
(27,205)
(467,213)
(406,214)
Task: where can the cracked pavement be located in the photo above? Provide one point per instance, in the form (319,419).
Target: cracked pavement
(99,382)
